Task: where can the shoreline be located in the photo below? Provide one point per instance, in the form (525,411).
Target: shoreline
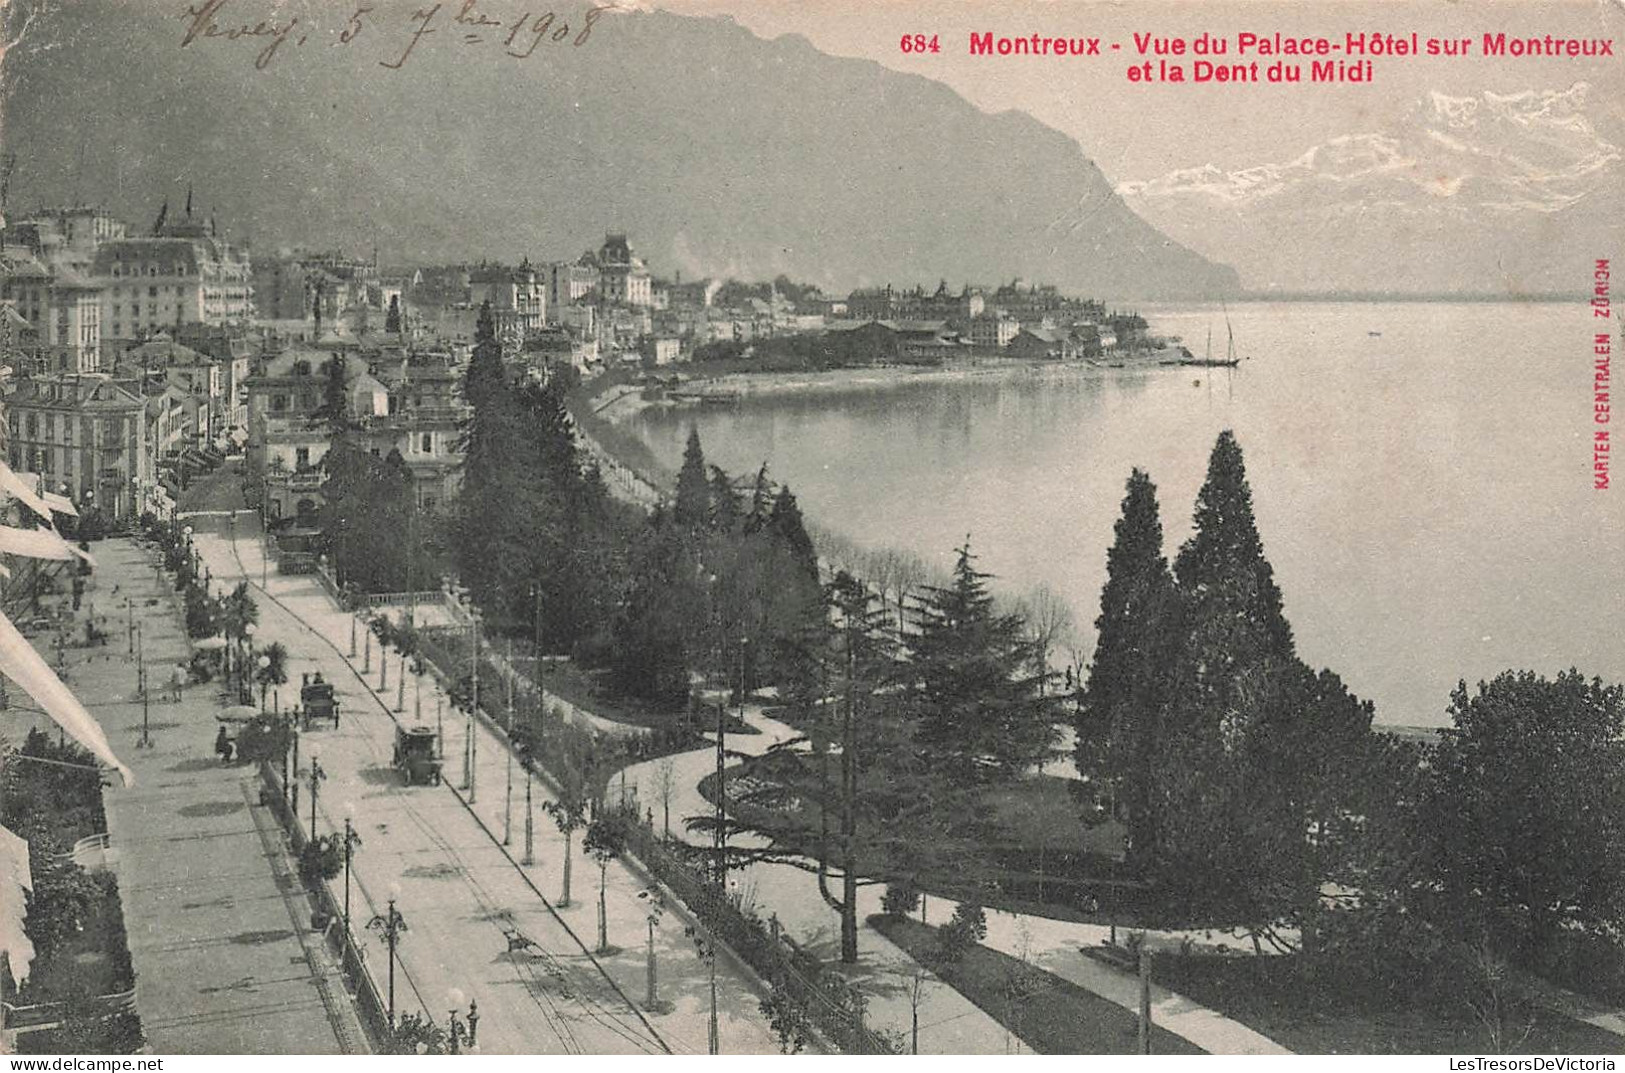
(620,401)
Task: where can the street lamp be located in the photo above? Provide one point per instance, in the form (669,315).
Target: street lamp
(242,670)
(390,925)
(461,1033)
(351,841)
(316,777)
(265,678)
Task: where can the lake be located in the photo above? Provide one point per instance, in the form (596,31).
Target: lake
(1424,495)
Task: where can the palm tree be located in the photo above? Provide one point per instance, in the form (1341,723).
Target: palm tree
(273,670)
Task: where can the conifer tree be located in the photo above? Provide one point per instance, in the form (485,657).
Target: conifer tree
(1226,546)
(1121,711)
(725,517)
(392,319)
(786,523)
(980,710)
(693,507)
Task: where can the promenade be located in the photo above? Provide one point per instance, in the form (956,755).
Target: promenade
(462,890)
(219,931)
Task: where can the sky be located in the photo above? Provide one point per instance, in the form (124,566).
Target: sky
(1136,131)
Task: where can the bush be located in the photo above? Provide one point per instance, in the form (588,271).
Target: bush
(967,928)
(900,899)
(262,739)
(321,859)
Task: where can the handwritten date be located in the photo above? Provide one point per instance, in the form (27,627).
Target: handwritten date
(465,22)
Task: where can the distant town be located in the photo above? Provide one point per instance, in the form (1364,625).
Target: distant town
(137,357)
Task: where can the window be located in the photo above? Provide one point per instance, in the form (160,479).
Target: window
(428,443)
(279,403)
(152,292)
(301,458)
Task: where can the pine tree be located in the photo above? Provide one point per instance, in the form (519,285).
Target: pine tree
(693,508)
(335,408)
(725,515)
(980,710)
(1121,711)
(1226,547)
(786,523)
(392,319)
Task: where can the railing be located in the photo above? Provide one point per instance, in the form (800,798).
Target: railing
(828,999)
(47,1015)
(426,598)
(358,979)
(92,853)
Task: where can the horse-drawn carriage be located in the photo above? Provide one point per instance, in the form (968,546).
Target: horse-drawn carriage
(317,702)
(416,756)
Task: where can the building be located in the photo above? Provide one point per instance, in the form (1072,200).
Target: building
(518,297)
(154,284)
(64,308)
(87,437)
(993,331)
(623,279)
(569,284)
(66,238)
(662,350)
(396,402)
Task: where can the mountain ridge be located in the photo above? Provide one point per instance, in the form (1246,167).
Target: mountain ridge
(720,152)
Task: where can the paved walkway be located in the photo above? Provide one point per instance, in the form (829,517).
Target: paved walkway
(219,931)
(461,888)
(949,1023)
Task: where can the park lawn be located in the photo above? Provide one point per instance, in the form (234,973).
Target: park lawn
(1048,1014)
(1268,995)
(588,690)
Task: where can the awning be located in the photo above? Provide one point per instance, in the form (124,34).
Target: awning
(14,880)
(20,490)
(23,665)
(60,504)
(39,544)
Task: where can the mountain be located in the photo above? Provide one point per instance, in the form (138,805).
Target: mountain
(1488,194)
(718,151)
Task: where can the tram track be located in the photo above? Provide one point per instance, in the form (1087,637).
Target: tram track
(640,1033)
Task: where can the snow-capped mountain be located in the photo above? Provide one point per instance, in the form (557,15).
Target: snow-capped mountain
(1483,194)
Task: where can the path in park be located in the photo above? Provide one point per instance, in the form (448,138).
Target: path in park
(949,1023)
(219,931)
(462,891)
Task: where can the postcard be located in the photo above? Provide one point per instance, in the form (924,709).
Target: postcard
(760,527)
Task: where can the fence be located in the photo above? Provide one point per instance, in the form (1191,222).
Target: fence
(358,979)
(833,1005)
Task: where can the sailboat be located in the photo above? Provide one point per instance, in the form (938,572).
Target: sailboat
(1229,361)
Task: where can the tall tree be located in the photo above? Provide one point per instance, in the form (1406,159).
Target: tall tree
(787,524)
(693,507)
(335,408)
(1525,817)
(392,319)
(1226,546)
(980,709)
(1120,716)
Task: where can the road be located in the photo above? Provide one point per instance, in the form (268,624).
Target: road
(460,890)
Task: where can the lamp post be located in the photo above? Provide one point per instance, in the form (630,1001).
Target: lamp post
(352,634)
(351,840)
(530,829)
(474,699)
(141,683)
(316,777)
(462,1033)
(390,925)
(129,611)
(264,665)
(242,669)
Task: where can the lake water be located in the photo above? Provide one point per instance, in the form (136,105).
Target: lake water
(1424,495)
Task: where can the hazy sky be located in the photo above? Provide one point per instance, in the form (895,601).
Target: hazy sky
(1135,131)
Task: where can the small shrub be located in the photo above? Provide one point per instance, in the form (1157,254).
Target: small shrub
(900,899)
(321,859)
(967,928)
